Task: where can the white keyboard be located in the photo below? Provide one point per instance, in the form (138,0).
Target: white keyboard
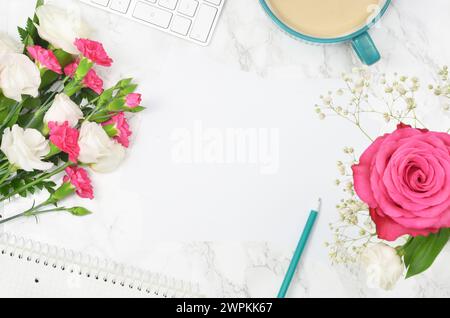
(193,20)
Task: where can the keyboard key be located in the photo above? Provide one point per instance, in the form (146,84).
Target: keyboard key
(120,5)
(101,2)
(215,2)
(192,20)
(203,23)
(188,7)
(152,15)
(180,25)
(168,4)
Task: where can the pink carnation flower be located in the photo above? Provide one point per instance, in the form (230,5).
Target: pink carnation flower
(66,139)
(94,51)
(45,58)
(133,100)
(92,80)
(80,180)
(120,122)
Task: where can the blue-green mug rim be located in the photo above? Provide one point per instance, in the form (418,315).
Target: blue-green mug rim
(308,38)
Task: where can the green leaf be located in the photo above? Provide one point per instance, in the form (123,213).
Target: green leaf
(23,34)
(105,97)
(31,28)
(6,105)
(136,109)
(48,79)
(79,211)
(116,105)
(124,83)
(127,90)
(421,252)
(31,103)
(63,57)
(39,3)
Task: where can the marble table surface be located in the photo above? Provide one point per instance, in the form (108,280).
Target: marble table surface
(199,221)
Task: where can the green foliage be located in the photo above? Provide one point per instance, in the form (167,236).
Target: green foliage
(29,35)
(39,3)
(9,115)
(22,179)
(63,57)
(6,106)
(421,252)
(137,109)
(48,79)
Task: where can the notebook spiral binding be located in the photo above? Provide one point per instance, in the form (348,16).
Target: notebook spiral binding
(95,268)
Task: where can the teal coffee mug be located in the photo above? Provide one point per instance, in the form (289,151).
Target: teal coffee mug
(360,39)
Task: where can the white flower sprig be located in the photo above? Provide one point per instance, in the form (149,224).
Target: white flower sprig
(394,100)
(354,231)
(442,89)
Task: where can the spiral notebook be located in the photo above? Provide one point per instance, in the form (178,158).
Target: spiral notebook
(31,269)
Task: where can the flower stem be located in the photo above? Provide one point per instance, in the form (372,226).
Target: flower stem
(33,212)
(12,218)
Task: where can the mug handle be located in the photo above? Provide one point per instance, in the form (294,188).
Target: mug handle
(366,49)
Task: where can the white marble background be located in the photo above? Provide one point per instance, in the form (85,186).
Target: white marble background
(411,38)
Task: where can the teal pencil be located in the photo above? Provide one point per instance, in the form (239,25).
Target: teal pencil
(299,251)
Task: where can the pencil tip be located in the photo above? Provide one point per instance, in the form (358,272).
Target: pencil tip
(319,205)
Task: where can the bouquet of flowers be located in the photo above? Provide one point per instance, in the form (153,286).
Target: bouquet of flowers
(55,115)
(397,211)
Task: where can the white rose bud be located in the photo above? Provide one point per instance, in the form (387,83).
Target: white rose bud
(63,109)
(61,27)
(383,266)
(19,76)
(98,150)
(25,148)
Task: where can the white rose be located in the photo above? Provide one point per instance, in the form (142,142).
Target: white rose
(98,150)
(19,76)
(8,45)
(94,143)
(63,109)
(25,148)
(61,27)
(112,160)
(383,266)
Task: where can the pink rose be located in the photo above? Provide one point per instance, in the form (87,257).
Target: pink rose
(133,100)
(94,51)
(121,129)
(404,177)
(45,58)
(92,80)
(66,139)
(79,179)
